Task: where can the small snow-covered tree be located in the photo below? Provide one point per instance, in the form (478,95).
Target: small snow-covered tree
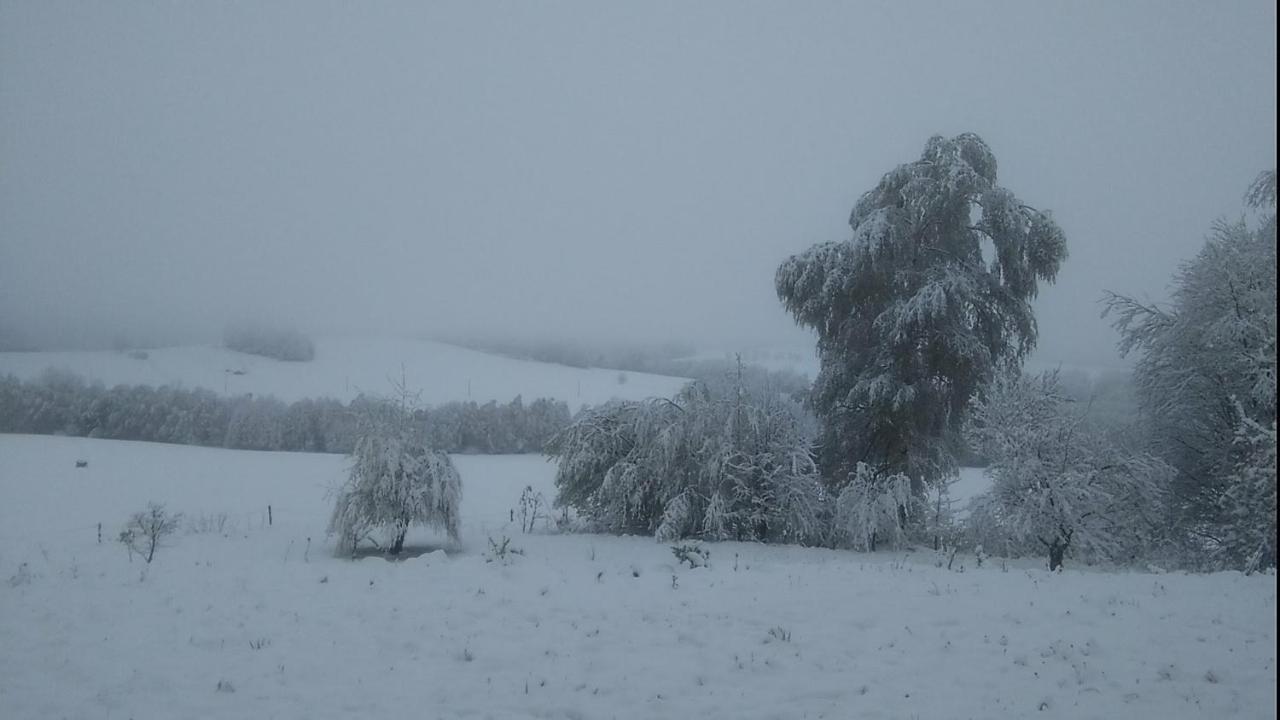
(873,511)
(1056,481)
(396,481)
(916,311)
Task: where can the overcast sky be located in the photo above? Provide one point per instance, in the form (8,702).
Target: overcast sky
(582,170)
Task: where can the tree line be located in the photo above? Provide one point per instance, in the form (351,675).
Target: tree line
(61,403)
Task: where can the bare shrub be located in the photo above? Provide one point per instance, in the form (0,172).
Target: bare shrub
(146,529)
(210,524)
(532,508)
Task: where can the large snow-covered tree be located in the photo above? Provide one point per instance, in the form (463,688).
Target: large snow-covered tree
(917,309)
(1057,481)
(1206,378)
(719,461)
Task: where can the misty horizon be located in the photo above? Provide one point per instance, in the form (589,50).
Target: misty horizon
(584,173)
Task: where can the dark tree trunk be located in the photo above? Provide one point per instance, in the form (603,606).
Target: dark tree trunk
(398,545)
(1056,551)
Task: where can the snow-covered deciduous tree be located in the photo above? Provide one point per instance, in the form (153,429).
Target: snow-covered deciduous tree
(1206,371)
(1059,483)
(916,311)
(396,481)
(717,462)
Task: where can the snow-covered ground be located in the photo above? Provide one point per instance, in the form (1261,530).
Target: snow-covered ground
(344,367)
(579,626)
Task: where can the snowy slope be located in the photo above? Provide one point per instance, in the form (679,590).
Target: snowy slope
(799,359)
(577,627)
(344,367)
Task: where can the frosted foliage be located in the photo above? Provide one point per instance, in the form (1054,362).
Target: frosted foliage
(1206,373)
(722,462)
(874,512)
(916,310)
(675,519)
(396,482)
(1058,483)
(1249,501)
(717,518)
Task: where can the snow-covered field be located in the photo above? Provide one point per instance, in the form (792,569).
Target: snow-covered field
(344,367)
(579,626)
(800,359)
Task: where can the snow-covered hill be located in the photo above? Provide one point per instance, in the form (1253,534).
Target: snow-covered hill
(344,367)
(800,359)
(240,618)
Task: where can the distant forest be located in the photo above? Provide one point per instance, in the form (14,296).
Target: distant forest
(61,403)
(673,359)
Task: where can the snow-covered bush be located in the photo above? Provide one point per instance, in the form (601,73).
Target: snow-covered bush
(691,554)
(502,551)
(1058,482)
(873,511)
(396,482)
(720,461)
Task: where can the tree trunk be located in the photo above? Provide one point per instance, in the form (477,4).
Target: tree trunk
(1056,551)
(398,545)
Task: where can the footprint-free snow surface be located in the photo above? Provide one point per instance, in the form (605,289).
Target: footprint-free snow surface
(239,617)
(346,367)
